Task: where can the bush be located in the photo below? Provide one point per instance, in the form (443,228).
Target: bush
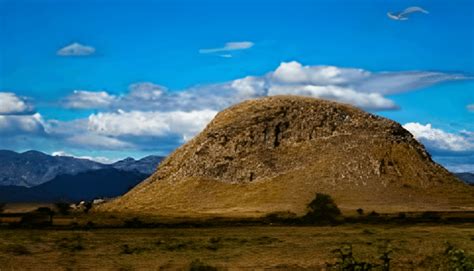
(42,216)
(374,214)
(87,206)
(360,211)
(457,259)
(432,216)
(134,223)
(2,207)
(346,260)
(322,209)
(281,217)
(63,207)
(402,215)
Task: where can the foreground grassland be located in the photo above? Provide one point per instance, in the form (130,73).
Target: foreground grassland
(416,247)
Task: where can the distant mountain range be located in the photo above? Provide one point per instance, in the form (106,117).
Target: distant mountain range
(33,168)
(101,183)
(467,177)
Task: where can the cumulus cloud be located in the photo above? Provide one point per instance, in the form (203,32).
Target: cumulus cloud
(369,101)
(17,116)
(439,140)
(76,49)
(148,113)
(361,80)
(11,104)
(229,46)
(21,124)
(139,123)
(146,91)
(358,87)
(91,140)
(83,99)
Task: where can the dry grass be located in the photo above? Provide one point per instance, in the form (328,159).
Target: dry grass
(232,248)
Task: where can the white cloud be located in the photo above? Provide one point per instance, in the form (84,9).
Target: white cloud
(99,159)
(358,87)
(76,49)
(146,91)
(83,99)
(229,46)
(361,80)
(470,107)
(437,139)
(370,101)
(387,83)
(152,112)
(295,73)
(98,141)
(139,123)
(11,104)
(20,124)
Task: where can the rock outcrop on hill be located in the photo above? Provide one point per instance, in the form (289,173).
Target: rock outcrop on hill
(273,154)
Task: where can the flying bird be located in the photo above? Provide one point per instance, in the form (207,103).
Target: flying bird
(403,15)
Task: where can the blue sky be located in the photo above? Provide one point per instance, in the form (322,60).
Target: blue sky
(158,42)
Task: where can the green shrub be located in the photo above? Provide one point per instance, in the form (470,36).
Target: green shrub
(322,209)
(458,260)
(347,262)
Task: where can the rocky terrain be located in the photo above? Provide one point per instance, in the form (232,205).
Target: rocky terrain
(273,154)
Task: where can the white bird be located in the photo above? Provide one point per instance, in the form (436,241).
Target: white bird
(403,15)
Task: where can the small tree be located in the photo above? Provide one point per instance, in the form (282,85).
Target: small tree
(360,211)
(322,209)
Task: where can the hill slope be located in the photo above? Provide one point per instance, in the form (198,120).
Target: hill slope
(274,154)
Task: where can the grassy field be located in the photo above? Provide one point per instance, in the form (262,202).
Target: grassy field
(417,247)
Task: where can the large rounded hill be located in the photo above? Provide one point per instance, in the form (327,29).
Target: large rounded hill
(273,154)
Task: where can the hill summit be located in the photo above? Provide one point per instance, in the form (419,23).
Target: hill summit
(273,154)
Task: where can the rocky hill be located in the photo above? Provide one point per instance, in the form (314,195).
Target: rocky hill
(273,154)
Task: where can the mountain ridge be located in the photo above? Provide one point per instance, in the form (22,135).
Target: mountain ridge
(32,168)
(101,183)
